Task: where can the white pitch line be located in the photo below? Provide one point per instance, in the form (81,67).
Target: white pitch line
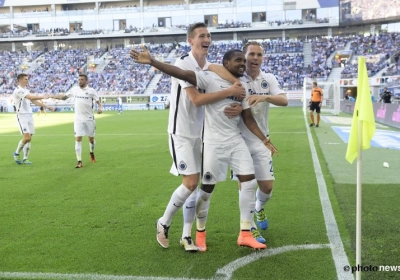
(85,276)
(338,253)
(226,272)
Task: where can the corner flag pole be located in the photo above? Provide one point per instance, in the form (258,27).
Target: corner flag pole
(359,203)
(361,133)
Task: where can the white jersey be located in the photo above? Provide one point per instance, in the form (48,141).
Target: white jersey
(218,128)
(22,104)
(185,118)
(84,102)
(264,84)
(119,101)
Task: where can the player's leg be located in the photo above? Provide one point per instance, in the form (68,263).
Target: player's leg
(189,211)
(26,126)
(26,138)
(215,165)
(90,127)
(264,172)
(92,144)
(242,165)
(189,207)
(26,150)
(184,163)
(78,151)
(312,114)
(318,110)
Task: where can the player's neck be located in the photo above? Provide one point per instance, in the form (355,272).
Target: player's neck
(201,59)
(253,73)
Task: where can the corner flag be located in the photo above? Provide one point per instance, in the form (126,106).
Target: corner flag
(363,115)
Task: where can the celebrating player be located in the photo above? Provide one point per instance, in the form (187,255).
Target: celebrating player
(185,125)
(22,104)
(223,143)
(84,123)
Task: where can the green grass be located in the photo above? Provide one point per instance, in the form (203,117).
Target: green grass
(100,219)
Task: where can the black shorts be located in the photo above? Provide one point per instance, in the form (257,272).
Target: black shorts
(315,106)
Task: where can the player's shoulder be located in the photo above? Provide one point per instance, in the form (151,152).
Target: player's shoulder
(267,76)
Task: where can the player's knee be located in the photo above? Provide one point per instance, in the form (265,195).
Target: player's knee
(207,188)
(190,181)
(246,178)
(266,186)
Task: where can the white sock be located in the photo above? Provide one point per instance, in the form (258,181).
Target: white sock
(91,146)
(189,212)
(27,149)
(19,147)
(202,207)
(247,204)
(78,150)
(176,202)
(262,199)
(253,224)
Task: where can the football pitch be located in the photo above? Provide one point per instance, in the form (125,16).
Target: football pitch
(98,222)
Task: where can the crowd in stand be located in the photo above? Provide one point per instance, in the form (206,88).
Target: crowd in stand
(14,63)
(377,48)
(57,70)
(121,75)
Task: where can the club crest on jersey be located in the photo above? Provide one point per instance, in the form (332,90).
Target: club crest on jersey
(182,165)
(264,84)
(207,176)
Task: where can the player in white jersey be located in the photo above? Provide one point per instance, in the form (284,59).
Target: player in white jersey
(84,123)
(22,104)
(223,144)
(185,125)
(264,90)
(119,104)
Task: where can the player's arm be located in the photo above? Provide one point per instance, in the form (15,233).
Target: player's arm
(251,124)
(233,110)
(60,97)
(278,100)
(199,99)
(36,97)
(221,71)
(41,104)
(277,97)
(144,57)
(322,98)
(99,107)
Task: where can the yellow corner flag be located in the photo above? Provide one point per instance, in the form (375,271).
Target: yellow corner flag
(363,115)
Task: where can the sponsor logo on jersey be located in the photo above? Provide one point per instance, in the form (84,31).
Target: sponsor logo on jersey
(252,92)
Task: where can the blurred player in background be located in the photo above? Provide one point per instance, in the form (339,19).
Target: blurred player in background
(119,104)
(84,123)
(316,103)
(22,104)
(41,110)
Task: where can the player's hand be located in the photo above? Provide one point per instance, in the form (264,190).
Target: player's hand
(143,57)
(99,111)
(267,142)
(255,99)
(237,90)
(233,110)
(51,109)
